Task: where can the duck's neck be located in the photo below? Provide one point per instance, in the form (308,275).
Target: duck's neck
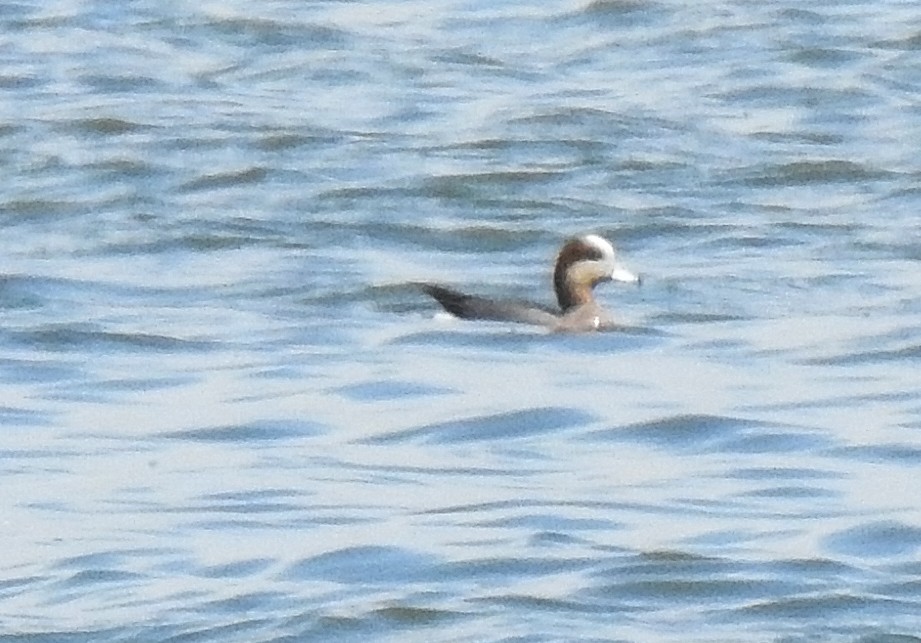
(570,295)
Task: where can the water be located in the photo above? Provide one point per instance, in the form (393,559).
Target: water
(225,415)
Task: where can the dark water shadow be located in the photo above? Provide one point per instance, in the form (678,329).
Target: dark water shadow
(497,427)
(689,432)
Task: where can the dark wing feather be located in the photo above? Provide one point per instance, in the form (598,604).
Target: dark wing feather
(474,307)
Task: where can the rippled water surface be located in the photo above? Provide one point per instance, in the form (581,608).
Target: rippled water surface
(227,414)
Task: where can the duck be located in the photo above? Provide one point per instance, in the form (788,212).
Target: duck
(582,263)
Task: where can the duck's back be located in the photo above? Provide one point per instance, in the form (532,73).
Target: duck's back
(475,307)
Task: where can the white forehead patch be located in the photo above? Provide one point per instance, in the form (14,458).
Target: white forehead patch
(602,244)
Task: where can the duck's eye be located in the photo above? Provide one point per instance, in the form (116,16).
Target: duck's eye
(594,254)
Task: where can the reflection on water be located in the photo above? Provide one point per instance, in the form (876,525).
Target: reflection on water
(226,412)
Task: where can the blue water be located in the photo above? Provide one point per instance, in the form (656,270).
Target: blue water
(227,415)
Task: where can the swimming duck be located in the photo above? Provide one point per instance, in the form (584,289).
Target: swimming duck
(583,263)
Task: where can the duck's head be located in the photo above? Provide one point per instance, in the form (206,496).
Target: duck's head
(583,263)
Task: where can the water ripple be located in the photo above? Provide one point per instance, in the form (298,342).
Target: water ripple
(876,539)
(253,432)
(704,432)
(366,564)
(501,426)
